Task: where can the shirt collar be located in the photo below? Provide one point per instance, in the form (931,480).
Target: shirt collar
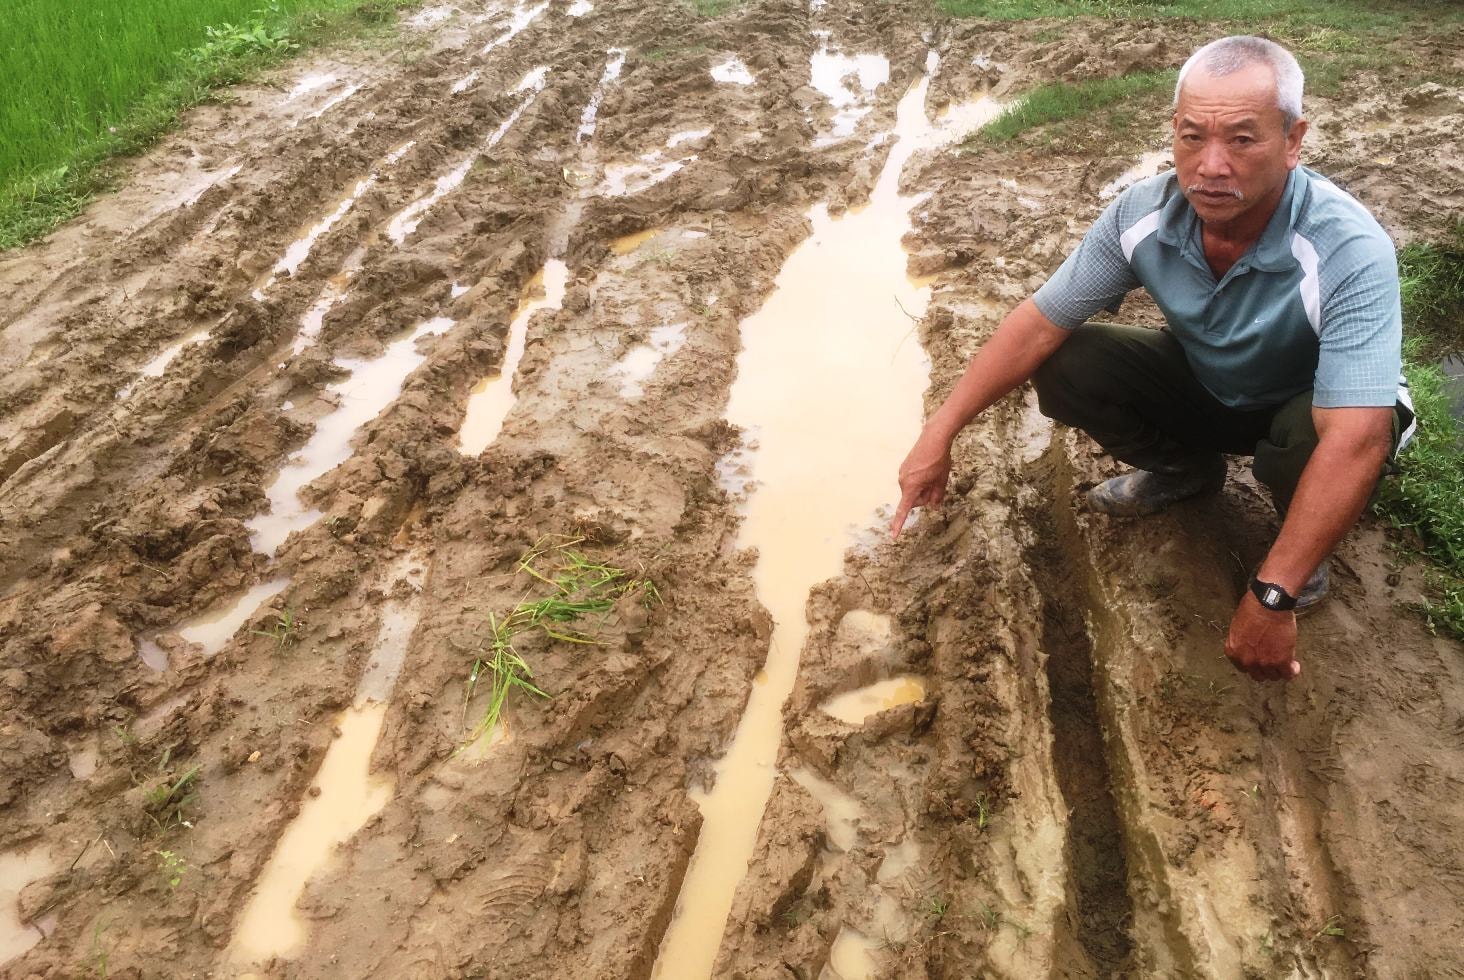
(1179,226)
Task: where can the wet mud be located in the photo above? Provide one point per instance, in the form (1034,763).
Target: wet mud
(284,413)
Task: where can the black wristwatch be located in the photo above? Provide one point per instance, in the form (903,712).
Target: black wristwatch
(1272,596)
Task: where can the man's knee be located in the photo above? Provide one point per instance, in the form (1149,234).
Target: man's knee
(1283,454)
(1073,377)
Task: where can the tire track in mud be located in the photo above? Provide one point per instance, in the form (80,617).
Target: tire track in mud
(1095,846)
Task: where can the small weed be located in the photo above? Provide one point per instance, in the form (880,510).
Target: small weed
(794,916)
(660,257)
(167,803)
(100,955)
(983,812)
(1331,929)
(989,917)
(579,587)
(936,907)
(172,867)
(230,41)
(283,631)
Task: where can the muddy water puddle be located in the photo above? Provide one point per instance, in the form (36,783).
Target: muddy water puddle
(299,249)
(493,397)
(1147,166)
(521,18)
(733,71)
(615,61)
(640,362)
(803,352)
(158,365)
(857,707)
(851,957)
(343,796)
(18,870)
(372,386)
(212,629)
(849,83)
(405,222)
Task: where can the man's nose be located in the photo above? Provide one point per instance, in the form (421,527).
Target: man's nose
(1214,160)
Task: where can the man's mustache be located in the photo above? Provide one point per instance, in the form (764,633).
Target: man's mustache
(1192,188)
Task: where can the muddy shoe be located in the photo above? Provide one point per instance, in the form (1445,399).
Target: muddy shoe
(1142,492)
(1315,590)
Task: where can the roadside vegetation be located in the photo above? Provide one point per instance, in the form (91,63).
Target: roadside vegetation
(1060,101)
(1427,495)
(102,81)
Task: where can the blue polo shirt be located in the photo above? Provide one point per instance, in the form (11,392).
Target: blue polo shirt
(1312,304)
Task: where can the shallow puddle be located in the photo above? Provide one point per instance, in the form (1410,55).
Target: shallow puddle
(155,367)
(331,293)
(579,8)
(406,221)
(373,385)
(336,100)
(856,707)
(299,250)
(1147,166)
(17,870)
(641,360)
(522,17)
(622,179)
(194,197)
(803,352)
(214,628)
(82,757)
(831,74)
(732,72)
(851,957)
(687,136)
(493,397)
(841,811)
(626,244)
(613,65)
(343,796)
(309,83)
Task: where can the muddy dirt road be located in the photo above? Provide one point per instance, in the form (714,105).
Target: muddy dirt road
(347,347)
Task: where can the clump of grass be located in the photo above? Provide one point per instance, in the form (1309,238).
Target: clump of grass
(283,630)
(1061,101)
(1431,279)
(574,588)
(167,803)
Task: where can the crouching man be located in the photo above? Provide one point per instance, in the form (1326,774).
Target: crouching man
(1283,340)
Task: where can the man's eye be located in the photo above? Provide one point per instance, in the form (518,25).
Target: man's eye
(1244,140)
(1190,138)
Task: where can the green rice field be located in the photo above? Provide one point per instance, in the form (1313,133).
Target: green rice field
(72,69)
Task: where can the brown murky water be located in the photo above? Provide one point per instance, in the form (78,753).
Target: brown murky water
(804,353)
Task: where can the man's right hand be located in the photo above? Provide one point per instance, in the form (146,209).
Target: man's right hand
(923,477)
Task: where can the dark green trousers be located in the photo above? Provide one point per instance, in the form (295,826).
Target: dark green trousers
(1132,390)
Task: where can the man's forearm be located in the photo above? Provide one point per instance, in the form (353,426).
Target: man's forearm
(1334,488)
(1020,344)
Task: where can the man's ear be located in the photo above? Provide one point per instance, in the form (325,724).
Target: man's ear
(1293,143)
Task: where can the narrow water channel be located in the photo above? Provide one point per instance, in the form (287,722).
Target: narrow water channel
(829,387)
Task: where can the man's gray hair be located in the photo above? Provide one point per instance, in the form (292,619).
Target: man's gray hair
(1231,54)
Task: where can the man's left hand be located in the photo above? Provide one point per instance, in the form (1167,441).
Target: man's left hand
(1262,642)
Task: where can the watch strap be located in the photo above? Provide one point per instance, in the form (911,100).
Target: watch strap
(1272,596)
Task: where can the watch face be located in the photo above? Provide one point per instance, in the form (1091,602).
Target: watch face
(1273,596)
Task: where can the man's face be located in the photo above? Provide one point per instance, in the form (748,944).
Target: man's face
(1230,145)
